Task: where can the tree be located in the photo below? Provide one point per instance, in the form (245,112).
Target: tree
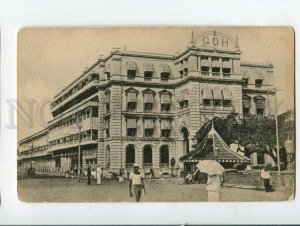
(256,134)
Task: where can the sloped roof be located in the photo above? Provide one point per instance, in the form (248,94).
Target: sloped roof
(224,153)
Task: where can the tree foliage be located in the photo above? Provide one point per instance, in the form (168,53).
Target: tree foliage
(256,134)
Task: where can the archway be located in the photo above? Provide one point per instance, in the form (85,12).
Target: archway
(185,142)
(164,155)
(147,156)
(130,155)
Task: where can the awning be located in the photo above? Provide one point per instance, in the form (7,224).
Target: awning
(165,99)
(131,66)
(148,124)
(149,98)
(164,68)
(217,94)
(227,95)
(131,123)
(258,75)
(246,103)
(107,68)
(205,63)
(227,64)
(215,63)
(183,95)
(246,74)
(165,124)
(148,67)
(131,97)
(206,93)
(107,99)
(260,104)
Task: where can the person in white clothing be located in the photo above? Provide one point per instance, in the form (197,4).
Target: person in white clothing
(98,174)
(136,181)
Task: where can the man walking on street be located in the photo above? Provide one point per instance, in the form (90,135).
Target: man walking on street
(136,181)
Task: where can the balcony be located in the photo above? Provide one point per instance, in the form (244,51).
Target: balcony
(34,154)
(72,144)
(87,124)
(149,114)
(91,84)
(74,110)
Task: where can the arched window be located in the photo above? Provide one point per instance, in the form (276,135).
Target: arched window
(130,155)
(185,143)
(164,155)
(147,155)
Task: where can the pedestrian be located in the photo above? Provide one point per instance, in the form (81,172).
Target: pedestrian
(121,179)
(98,174)
(136,181)
(151,173)
(265,175)
(89,173)
(125,174)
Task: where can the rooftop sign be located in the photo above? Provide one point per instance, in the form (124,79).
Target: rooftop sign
(217,40)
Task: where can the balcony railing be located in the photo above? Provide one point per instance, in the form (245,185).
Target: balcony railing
(87,124)
(74,143)
(83,89)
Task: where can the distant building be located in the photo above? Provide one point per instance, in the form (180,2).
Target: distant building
(147,107)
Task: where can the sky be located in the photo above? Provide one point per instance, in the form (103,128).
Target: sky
(49,59)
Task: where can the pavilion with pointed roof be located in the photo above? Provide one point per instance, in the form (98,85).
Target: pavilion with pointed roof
(218,150)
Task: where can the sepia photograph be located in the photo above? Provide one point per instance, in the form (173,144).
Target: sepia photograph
(156,114)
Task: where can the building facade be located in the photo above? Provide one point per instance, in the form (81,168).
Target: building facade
(146,107)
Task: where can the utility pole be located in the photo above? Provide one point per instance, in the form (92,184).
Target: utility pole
(277,136)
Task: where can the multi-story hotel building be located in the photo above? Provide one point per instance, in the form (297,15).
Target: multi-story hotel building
(147,107)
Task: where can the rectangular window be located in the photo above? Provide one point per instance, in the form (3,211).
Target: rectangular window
(131,74)
(245,82)
(165,133)
(227,103)
(148,107)
(204,68)
(165,76)
(131,106)
(148,75)
(217,103)
(260,112)
(258,83)
(215,70)
(206,102)
(94,112)
(149,132)
(165,107)
(131,132)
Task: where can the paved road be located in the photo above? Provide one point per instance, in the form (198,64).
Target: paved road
(167,190)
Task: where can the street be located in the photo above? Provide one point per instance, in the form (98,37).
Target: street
(166,190)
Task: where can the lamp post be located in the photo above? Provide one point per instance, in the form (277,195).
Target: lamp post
(288,144)
(79,125)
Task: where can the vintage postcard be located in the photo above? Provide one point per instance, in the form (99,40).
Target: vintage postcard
(191,114)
